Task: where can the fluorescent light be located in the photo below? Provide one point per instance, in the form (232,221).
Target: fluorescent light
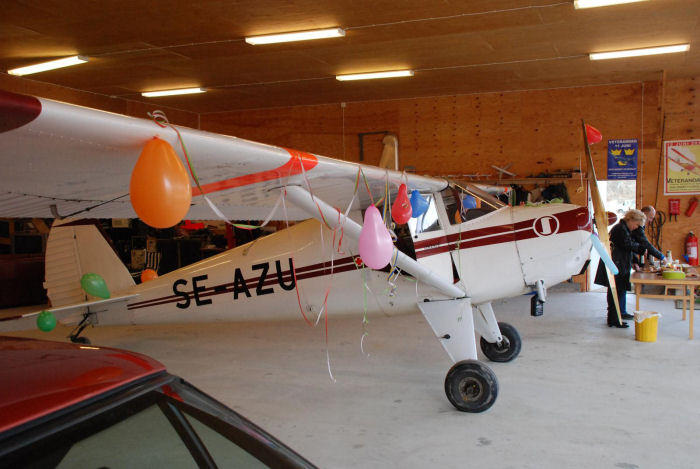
(601,3)
(371,76)
(639,52)
(296,36)
(42,67)
(155,94)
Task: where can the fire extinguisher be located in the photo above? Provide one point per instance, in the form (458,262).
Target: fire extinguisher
(691,248)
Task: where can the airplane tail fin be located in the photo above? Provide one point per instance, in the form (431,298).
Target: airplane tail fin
(75,248)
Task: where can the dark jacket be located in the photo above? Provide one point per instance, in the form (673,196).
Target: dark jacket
(640,237)
(623,246)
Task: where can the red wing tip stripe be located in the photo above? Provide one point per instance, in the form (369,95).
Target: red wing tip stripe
(17,110)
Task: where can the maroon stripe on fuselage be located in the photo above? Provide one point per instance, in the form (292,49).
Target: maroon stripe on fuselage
(571,220)
(341,265)
(17,110)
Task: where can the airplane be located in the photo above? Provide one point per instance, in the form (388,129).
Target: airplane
(451,262)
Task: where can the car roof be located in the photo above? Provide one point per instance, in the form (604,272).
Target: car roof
(41,377)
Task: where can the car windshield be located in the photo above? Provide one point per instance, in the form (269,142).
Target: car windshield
(175,426)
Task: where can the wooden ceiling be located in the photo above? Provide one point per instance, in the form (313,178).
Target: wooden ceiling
(454,46)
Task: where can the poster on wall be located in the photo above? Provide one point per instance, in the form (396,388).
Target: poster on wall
(622,159)
(681,167)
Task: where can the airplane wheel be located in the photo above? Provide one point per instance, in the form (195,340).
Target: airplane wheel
(509,348)
(80,340)
(471,386)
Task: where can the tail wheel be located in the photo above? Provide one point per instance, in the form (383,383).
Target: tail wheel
(80,340)
(471,386)
(508,349)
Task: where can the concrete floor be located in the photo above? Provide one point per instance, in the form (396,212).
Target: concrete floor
(580,395)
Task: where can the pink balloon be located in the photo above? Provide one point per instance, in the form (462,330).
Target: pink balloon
(376,247)
(401,210)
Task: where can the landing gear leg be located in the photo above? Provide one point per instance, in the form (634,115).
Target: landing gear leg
(500,341)
(470,385)
(75,333)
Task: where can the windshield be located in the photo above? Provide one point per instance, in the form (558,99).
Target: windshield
(174,426)
(467,202)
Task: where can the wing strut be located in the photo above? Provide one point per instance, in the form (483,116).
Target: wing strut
(315,206)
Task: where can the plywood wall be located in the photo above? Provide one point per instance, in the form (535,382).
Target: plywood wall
(681,108)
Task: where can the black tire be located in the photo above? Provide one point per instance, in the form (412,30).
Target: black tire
(471,386)
(509,348)
(80,340)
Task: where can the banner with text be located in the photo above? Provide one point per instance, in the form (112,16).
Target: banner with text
(622,159)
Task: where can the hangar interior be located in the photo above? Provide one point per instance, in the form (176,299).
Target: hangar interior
(496,85)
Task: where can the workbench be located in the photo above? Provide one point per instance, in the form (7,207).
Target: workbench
(685,286)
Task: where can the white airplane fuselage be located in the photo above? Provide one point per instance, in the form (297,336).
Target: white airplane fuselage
(498,255)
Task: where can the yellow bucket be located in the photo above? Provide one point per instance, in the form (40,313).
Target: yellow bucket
(646,326)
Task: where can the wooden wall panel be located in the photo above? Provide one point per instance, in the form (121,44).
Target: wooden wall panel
(682,111)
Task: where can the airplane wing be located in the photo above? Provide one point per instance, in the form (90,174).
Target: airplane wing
(80,160)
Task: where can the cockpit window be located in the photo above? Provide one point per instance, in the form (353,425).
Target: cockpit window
(428,221)
(467,202)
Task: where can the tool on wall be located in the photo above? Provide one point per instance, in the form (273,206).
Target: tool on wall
(655,228)
(674,208)
(691,206)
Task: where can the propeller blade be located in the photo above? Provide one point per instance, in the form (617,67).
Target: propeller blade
(600,215)
(604,256)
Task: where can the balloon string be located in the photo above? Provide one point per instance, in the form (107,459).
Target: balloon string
(365,321)
(387,200)
(311,193)
(161,120)
(328,361)
(364,178)
(294,273)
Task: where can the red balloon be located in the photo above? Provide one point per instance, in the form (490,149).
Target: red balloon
(593,135)
(160,188)
(148,274)
(401,210)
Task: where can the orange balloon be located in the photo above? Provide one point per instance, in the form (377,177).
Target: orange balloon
(160,188)
(148,274)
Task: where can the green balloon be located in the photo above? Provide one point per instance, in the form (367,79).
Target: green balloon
(94,285)
(46,321)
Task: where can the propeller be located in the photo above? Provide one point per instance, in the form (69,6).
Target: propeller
(604,256)
(592,135)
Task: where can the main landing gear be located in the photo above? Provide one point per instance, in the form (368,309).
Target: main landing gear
(471,386)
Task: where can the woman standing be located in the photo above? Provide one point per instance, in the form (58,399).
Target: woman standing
(623,245)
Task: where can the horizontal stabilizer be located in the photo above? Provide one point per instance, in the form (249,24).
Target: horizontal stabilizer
(66,315)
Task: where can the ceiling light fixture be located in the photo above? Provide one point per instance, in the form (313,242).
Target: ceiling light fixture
(372,76)
(296,36)
(639,52)
(42,67)
(155,94)
(601,3)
